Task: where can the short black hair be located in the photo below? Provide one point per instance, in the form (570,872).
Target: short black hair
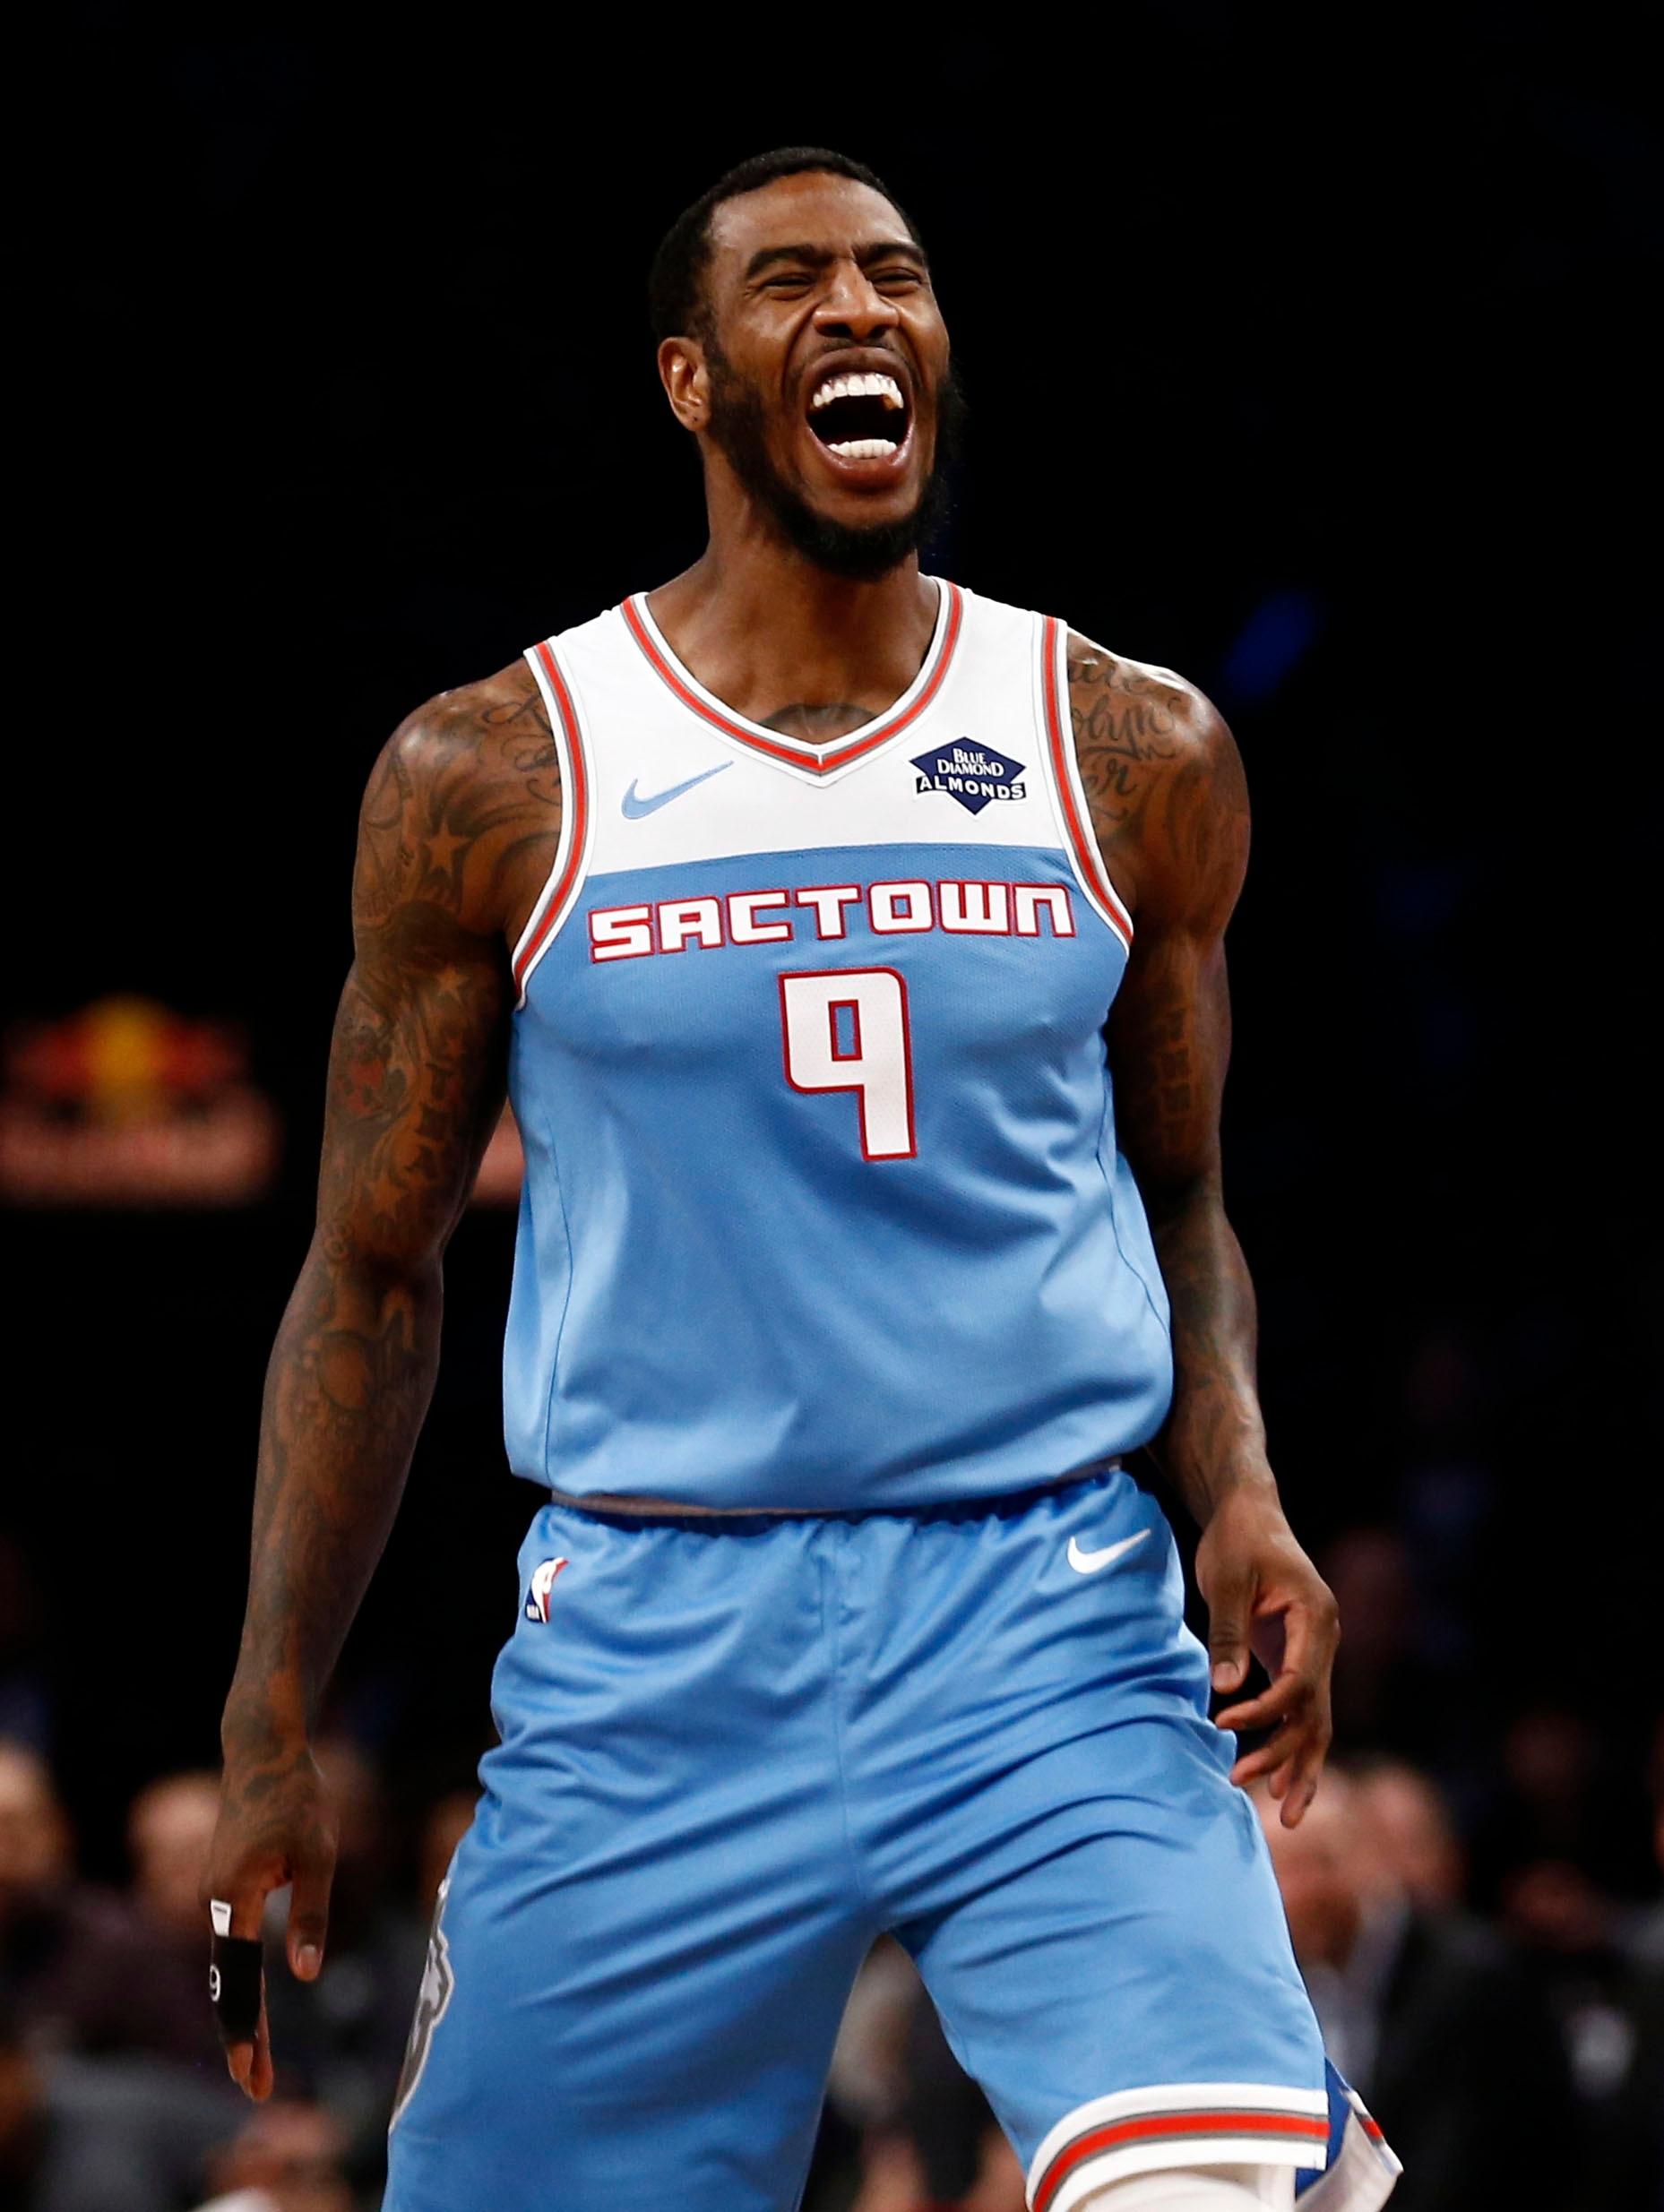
(675,289)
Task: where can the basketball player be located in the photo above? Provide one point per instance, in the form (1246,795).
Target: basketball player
(797,899)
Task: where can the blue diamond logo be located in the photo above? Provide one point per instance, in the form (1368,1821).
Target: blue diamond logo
(973,774)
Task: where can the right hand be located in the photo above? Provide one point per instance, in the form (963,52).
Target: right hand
(275,1826)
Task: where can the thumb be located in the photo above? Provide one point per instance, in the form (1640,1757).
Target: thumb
(1229,1603)
(309,1909)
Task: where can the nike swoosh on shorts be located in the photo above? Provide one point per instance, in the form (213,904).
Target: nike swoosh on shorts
(1088,1563)
(635,808)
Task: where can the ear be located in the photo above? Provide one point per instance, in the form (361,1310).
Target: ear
(687,381)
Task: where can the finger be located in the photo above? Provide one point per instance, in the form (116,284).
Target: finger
(237,1975)
(262,2073)
(1228,1610)
(1300,1674)
(309,1912)
(1270,1756)
(1307,1772)
(246,1900)
(1282,1701)
(250,2063)
(1297,1797)
(1309,1640)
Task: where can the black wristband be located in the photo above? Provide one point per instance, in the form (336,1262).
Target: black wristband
(233,1976)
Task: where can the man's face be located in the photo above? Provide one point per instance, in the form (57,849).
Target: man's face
(826,367)
(1318,1874)
(34,1842)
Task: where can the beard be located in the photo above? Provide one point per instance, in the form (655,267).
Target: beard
(738,424)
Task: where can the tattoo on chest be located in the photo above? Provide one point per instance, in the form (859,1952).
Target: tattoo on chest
(818,724)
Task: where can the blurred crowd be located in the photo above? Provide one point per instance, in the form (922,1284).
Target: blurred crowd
(1514,2056)
(1483,1941)
(114,2095)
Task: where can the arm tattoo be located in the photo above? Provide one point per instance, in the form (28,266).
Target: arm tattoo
(1169,807)
(457,832)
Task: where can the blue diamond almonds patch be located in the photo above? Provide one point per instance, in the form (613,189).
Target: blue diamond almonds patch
(971,774)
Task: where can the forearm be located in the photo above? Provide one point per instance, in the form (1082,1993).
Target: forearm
(1214,1440)
(349,1384)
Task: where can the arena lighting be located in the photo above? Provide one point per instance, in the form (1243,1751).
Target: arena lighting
(127,1104)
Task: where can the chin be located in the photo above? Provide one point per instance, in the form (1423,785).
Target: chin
(863,551)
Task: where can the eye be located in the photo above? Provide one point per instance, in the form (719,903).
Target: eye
(898,277)
(789,282)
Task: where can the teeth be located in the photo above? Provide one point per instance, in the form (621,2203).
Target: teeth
(870,387)
(865,448)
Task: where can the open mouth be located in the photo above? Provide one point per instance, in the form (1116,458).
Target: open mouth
(860,416)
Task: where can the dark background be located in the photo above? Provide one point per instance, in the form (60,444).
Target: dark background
(1308,363)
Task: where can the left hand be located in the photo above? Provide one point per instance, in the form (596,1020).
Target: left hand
(1265,1596)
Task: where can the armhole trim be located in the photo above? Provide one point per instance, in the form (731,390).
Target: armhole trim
(559,893)
(1065,782)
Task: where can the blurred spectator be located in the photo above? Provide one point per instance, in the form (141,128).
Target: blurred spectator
(103,2135)
(169,1828)
(1560,1805)
(446,1824)
(68,1959)
(1558,1852)
(34,1835)
(1602,1974)
(1413,1832)
(340,2039)
(925,2135)
(868,2081)
(287,2157)
(1433,2021)
(1383,1698)
(963,2154)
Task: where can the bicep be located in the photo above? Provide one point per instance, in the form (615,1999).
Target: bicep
(1169,1028)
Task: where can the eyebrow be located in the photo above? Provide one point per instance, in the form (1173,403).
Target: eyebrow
(820,256)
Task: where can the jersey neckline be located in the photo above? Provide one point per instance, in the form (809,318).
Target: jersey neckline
(802,753)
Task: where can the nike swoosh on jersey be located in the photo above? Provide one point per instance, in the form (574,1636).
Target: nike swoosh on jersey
(635,808)
(1090,1563)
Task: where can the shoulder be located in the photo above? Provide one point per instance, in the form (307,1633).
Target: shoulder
(1144,710)
(495,727)
(1163,780)
(462,804)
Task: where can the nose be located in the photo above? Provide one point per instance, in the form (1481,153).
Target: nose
(853,307)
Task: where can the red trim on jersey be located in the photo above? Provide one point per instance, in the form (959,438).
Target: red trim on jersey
(888,727)
(577,798)
(1086,852)
(1302,2127)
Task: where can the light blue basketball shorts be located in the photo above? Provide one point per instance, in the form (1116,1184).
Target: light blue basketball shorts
(735,1751)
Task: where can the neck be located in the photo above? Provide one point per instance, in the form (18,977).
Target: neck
(786,642)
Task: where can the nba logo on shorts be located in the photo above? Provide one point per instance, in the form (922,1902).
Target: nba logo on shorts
(542,1583)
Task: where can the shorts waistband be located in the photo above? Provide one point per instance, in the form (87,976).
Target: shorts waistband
(605,1506)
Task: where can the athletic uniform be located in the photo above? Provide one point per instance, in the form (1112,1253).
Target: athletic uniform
(825,1243)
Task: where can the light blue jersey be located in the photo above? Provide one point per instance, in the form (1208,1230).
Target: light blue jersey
(822,1204)
(824,1210)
